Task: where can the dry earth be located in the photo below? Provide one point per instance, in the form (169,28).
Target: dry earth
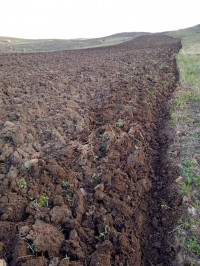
(83,174)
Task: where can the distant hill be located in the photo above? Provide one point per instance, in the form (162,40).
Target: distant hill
(16,45)
(182,33)
(188,36)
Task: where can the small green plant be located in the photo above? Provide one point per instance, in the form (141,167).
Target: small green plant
(127,106)
(95,176)
(44,201)
(145,101)
(154,61)
(102,147)
(138,141)
(174,119)
(190,163)
(133,79)
(119,124)
(32,199)
(103,234)
(31,247)
(192,221)
(28,169)
(181,98)
(95,157)
(22,183)
(197,204)
(186,188)
(64,183)
(170,151)
(194,245)
(149,91)
(104,138)
(187,225)
(179,229)
(196,181)
(190,173)
(155,77)
(67,196)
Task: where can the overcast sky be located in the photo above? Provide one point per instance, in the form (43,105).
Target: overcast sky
(66,19)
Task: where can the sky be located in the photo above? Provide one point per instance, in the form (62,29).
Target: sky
(68,19)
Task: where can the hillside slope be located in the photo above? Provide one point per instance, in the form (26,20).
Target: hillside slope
(190,38)
(16,45)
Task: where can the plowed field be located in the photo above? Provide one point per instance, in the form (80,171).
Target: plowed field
(81,155)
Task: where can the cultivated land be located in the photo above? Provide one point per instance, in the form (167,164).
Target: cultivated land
(85,178)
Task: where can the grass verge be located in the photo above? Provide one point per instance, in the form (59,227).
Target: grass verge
(185,151)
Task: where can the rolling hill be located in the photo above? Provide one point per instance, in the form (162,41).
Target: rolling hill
(16,45)
(190,38)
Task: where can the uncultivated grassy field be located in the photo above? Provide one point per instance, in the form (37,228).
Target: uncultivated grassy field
(189,57)
(185,151)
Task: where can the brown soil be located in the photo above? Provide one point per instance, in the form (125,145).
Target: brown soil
(86,129)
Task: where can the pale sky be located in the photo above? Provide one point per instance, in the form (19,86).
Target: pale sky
(65,19)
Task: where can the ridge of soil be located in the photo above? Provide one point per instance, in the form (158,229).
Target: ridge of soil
(82,170)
